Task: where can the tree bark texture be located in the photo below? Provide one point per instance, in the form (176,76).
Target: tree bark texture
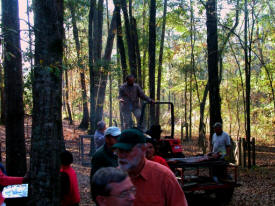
(104,72)
(3,113)
(137,51)
(98,63)
(202,126)
(93,78)
(247,82)
(67,98)
(152,56)
(15,139)
(85,118)
(213,75)
(160,59)
(47,138)
(129,38)
(120,43)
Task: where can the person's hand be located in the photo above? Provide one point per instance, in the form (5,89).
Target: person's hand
(152,101)
(122,100)
(26,178)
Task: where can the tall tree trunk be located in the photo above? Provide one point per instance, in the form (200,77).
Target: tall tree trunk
(120,43)
(93,77)
(160,59)
(110,100)
(202,126)
(190,105)
(2,90)
(193,40)
(97,47)
(247,81)
(185,108)
(152,56)
(145,45)
(104,73)
(67,98)
(110,73)
(129,38)
(137,51)
(213,75)
(85,118)
(15,139)
(47,137)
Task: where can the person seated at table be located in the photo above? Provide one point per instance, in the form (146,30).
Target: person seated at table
(8,180)
(151,152)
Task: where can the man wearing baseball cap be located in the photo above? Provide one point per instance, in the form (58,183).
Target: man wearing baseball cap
(104,156)
(155,184)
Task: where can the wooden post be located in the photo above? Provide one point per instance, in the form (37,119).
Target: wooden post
(244,152)
(240,151)
(253,152)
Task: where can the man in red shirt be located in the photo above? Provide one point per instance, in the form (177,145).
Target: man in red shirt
(155,184)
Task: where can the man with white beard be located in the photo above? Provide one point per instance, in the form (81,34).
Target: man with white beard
(155,184)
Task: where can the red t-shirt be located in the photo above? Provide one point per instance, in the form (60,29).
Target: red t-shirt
(73,196)
(160,160)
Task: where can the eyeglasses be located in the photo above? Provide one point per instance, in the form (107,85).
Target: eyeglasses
(126,193)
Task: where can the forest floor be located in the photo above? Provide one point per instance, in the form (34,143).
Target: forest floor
(257,184)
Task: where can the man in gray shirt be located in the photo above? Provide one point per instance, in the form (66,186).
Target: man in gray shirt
(129,94)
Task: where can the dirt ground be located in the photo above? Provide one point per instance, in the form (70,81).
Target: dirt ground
(257,184)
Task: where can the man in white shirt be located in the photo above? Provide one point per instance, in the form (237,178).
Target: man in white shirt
(220,144)
(221,141)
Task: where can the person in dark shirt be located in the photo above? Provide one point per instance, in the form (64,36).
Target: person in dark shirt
(104,156)
(129,95)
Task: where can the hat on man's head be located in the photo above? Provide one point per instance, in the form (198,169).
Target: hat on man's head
(113,131)
(129,138)
(217,124)
(101,125)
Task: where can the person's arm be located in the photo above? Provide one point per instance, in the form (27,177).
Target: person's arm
(7,180)
(143,96)
(120,94)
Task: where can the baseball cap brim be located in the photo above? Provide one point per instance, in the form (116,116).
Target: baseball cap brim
(116,133)
(123,146)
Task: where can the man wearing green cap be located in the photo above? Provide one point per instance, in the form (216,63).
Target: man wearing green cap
(155,184)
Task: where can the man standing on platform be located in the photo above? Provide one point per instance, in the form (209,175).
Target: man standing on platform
(129,94)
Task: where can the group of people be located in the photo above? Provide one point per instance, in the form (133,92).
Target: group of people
(125,169)
(121,174)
